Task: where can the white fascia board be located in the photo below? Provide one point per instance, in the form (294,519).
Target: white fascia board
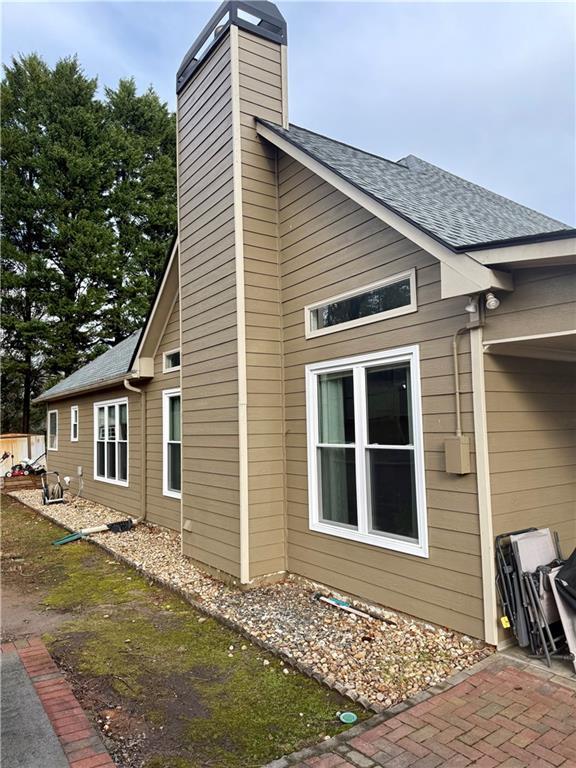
(523,254)
(466,274)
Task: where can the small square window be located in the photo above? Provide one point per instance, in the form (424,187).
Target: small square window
(171,360)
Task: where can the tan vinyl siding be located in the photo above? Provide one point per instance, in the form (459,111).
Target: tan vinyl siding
(531,410)
(210,464)
(260,93)
(543,301)
(162,510)
(70,454)
(328,246)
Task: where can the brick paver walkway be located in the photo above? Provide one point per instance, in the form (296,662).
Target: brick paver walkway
(82,746)
(502,715)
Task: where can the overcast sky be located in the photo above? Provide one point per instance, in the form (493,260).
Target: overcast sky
(485,90)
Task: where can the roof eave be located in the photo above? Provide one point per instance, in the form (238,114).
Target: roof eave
(529,252)
(541,237)
(67,393)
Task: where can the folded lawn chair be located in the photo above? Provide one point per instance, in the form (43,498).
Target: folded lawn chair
(526,561)
(535,552)
(563,583)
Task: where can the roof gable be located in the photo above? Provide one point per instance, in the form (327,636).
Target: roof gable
(456,212)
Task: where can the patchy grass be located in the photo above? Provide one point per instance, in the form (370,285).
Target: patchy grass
(175,690)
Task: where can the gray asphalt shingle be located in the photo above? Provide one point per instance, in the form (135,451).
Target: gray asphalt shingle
(110,365)
(453,210)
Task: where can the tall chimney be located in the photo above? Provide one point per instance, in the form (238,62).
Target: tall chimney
(232,404)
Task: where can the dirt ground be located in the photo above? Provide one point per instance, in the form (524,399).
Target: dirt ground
(23,614)
(167,687)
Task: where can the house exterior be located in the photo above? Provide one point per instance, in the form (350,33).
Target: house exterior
(356,370)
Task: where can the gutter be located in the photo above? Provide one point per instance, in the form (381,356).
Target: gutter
(143,489)
(543,237)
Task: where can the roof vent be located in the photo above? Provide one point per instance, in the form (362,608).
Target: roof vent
(258,16)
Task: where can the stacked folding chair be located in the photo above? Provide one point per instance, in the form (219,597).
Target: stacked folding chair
(535,588)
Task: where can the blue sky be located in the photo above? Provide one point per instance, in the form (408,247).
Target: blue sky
(485,90)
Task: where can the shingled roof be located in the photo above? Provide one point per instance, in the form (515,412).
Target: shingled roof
(454,211)
(109,366)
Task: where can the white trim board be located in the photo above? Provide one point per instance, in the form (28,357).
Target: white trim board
(527,346)
(145,333)
(483,487)
(554,251)
(240,310)
(460,274)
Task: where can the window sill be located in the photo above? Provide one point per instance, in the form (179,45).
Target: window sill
(394,545)
(53,449)
(172,494)
(171,370)
(123,483)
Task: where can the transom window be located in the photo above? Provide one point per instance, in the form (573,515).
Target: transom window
(172,451)
(74,423)
(111,441)
(386,298)
(171,360)
(365,454)
(52,430)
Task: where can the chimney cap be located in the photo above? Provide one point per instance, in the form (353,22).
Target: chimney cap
(260,17)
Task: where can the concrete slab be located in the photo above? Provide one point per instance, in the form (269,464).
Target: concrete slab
(27,737)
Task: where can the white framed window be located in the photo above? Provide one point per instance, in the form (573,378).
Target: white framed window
(365,450)
(171,361)
(111,441)
(172,443)
(74,423)
(52,430)
(387,298)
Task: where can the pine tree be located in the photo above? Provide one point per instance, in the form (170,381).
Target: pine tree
(78,248)
(142,201)
(88,208)
(24,118)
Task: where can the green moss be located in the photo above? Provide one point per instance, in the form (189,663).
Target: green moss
(168,762)
(147,651)
(91,585)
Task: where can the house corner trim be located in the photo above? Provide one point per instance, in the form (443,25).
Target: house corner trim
(483,484)
(240,311)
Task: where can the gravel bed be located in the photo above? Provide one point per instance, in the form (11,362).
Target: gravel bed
(378,661)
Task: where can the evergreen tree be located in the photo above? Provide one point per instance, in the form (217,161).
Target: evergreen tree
(24,118)
(142,201)
(88,208)
(78,245)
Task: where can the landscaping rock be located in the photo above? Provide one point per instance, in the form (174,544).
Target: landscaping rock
(402,657)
